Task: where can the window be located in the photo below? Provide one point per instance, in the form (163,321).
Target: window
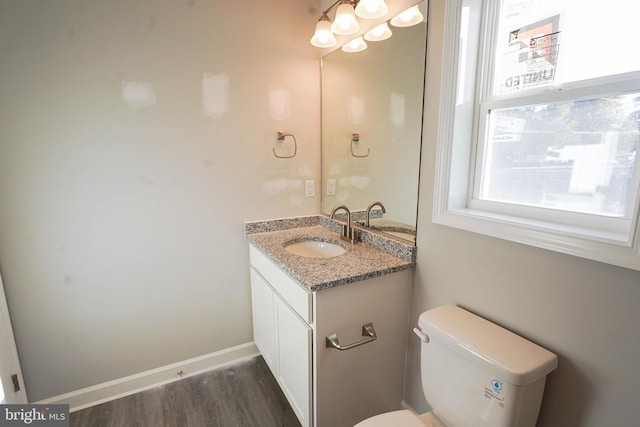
(540,125)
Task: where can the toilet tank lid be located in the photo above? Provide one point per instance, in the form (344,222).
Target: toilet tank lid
(499,351)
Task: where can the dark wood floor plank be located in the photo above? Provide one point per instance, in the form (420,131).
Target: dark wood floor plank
(244,394)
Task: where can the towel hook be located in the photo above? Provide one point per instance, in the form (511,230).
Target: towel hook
(281,137)
(355,138)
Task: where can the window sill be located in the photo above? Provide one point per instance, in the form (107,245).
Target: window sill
(603,247)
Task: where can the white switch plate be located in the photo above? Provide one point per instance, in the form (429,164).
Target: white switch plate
(331,187)
(310,188)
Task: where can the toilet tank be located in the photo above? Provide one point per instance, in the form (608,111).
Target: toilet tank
(478,374)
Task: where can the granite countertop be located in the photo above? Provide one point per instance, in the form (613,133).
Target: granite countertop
(383,223)
(361,261)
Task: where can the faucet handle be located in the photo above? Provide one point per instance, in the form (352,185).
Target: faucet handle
(351,234)
(345,231)
(355,235)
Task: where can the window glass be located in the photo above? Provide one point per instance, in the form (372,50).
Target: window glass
(576,156)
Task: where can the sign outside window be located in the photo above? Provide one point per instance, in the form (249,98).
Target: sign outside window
(530,56)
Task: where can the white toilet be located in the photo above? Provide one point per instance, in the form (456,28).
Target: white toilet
(474,374)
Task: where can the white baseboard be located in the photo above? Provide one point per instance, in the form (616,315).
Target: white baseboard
(131,384)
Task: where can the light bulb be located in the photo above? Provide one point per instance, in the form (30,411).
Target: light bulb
(371,9)
(409,17)
(345,22)
(381,32)
(323,37)
(356,45)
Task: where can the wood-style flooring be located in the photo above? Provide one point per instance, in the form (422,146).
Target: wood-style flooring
(244,394)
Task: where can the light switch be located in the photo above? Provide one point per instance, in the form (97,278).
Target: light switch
(331,187)
(310,188)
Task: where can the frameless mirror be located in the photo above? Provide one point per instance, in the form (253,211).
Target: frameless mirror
(371,128)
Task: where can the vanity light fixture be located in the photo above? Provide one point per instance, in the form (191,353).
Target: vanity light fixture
(356,45)
(409,17)
(371,9)
(323,37)
(345,22)
(381,32)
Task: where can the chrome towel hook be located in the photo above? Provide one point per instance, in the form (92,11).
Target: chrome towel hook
(355,138)
(281,137)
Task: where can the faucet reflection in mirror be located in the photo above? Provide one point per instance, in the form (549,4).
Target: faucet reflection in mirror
(345,23)
(371,206)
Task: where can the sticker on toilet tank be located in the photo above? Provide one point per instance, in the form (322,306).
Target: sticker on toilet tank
(494,392)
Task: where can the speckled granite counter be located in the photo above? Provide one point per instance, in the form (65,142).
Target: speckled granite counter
(375,256)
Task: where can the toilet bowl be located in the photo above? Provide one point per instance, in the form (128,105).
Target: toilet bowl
(474,374)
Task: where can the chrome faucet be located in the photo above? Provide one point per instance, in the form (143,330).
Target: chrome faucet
(348,232)
(368,220)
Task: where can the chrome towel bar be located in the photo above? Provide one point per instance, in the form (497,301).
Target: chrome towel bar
(367,331)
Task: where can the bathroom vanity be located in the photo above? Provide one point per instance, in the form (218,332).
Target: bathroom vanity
(332,330)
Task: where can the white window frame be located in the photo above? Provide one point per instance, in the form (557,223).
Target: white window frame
(585,236)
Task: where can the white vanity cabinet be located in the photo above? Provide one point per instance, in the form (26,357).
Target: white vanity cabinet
(282,335)
(327,387)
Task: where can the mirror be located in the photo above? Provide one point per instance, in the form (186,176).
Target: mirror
(376,94)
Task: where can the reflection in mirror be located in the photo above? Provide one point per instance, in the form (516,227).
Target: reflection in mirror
(371,129)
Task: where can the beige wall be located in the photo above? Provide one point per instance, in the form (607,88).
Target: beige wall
(121,242)
(584,311)
(135,140)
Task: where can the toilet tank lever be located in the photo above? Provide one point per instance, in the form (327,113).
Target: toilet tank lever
(423,337)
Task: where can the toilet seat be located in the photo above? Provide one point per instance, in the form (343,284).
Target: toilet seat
(403,418)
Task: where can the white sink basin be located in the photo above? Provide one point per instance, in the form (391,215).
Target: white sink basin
(315,249)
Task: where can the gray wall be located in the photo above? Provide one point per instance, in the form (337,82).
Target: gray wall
(135,140)
(584,311)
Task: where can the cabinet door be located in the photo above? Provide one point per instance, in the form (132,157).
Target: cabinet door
(264,334)
(355,384)
(293,340)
